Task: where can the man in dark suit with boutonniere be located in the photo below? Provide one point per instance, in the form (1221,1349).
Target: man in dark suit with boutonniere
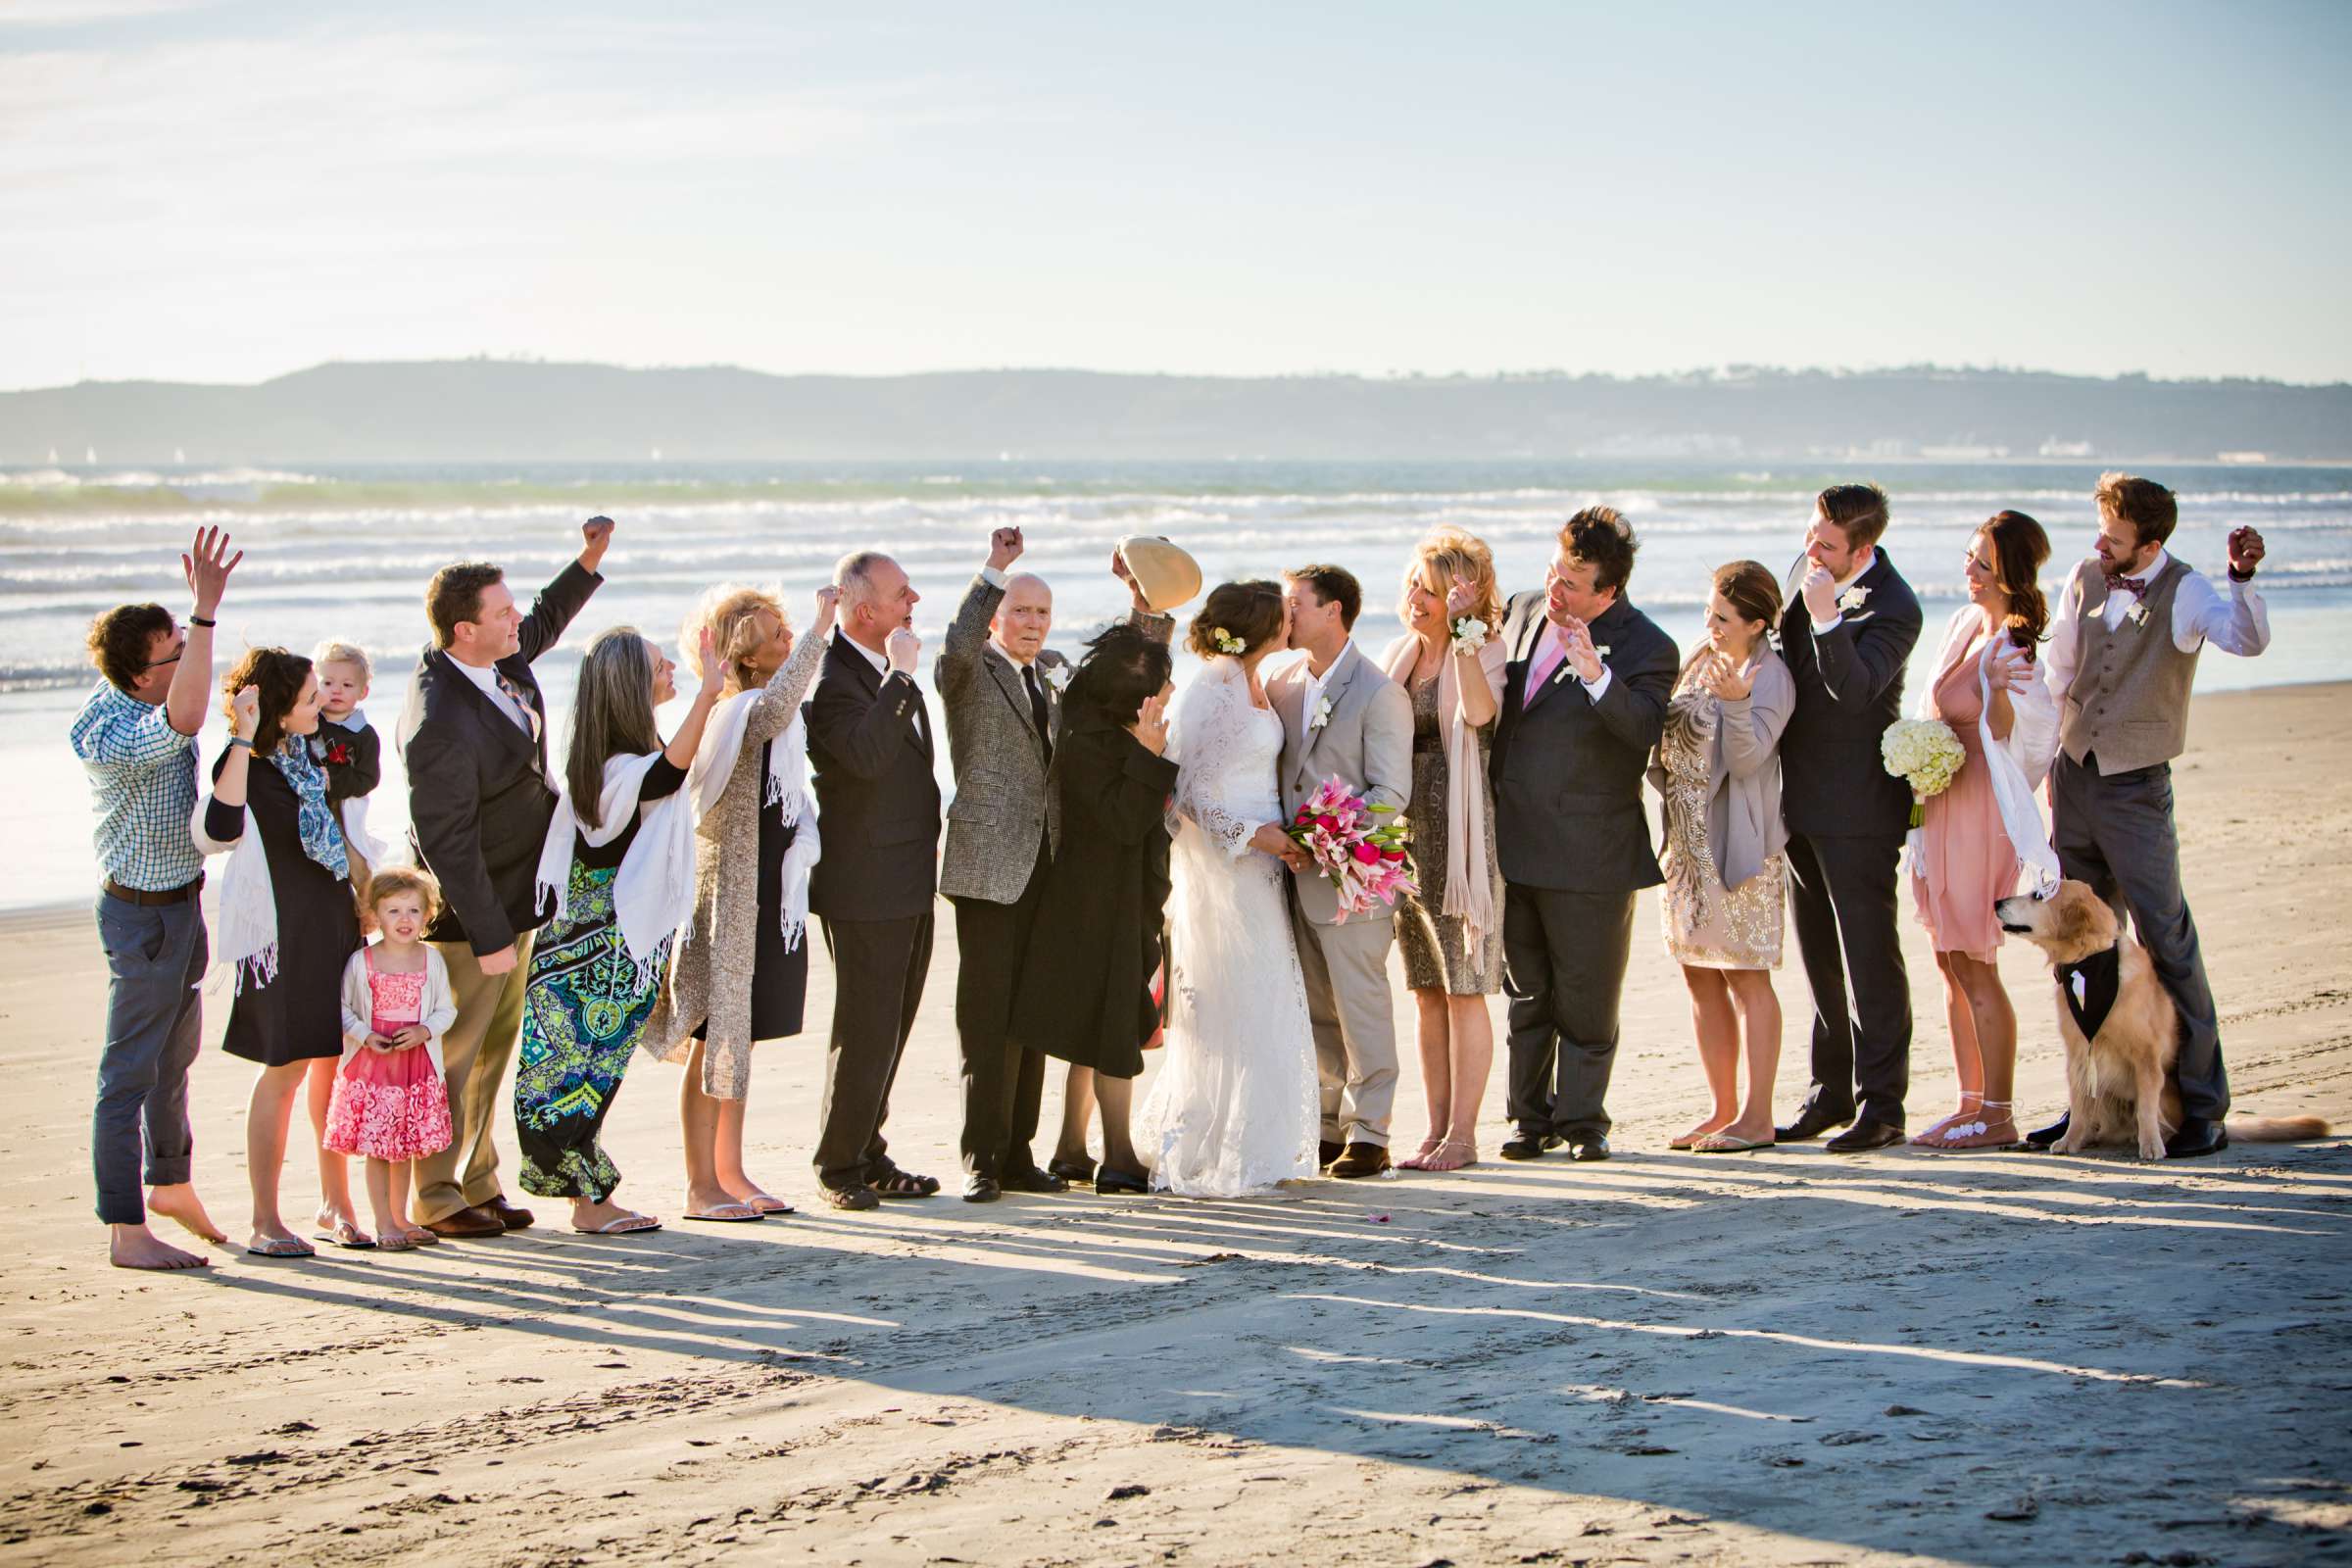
(474,737)
(870,751)
(1585,695)
(1849,626)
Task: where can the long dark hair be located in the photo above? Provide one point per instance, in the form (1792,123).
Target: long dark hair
(279,677)
(612,716)
(1121,669)
(2019,549)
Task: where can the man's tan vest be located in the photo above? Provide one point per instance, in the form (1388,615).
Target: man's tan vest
(2129,701)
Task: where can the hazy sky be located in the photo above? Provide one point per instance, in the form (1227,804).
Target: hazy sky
(227,191)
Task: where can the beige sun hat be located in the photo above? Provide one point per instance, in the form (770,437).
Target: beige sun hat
(1166,574)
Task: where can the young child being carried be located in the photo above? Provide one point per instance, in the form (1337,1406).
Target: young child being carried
(346,745)
(390,1101)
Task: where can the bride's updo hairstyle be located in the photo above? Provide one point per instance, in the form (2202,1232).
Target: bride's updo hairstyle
(1250,612)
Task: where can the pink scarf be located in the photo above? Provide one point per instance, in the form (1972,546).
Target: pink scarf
(1469,891)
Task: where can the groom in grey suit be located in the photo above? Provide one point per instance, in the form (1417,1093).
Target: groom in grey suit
(1342,717)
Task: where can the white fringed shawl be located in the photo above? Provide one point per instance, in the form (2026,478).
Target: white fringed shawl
(653,894)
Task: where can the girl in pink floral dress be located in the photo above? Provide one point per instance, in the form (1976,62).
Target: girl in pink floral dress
(391,1102)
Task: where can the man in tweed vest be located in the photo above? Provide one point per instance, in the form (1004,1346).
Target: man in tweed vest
(2123,656)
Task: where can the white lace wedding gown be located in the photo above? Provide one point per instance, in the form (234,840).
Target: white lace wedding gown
(1235,1108)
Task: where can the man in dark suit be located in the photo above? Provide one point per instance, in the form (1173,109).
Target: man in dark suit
(1584,697)
(870,749)
(474,736)
(1850,625)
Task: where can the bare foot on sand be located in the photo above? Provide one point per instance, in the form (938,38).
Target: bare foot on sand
(181,1205)
(135,1247)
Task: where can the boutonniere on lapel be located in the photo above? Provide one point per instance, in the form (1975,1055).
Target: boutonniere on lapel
(2138,615)
(1059,677)
(1321,715)
(1851,600)
(338,754)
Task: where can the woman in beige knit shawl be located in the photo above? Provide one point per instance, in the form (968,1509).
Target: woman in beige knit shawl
(753,766)
(1449,662)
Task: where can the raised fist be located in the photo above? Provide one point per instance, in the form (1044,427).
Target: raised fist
(1003,547)
(903,649)
(2245,551)
(597,532)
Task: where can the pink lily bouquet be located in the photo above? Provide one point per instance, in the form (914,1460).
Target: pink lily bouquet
(1360,846)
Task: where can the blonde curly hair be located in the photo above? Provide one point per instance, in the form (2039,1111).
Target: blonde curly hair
(729,611)
(1444,556)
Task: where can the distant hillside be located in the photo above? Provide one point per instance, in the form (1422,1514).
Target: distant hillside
(485,410)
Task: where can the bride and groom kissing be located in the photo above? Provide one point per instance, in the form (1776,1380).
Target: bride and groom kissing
(1281,1056)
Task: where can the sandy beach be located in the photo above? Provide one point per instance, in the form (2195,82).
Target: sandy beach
(1790,1358)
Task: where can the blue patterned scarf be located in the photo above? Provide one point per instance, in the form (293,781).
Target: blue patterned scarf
(322,838)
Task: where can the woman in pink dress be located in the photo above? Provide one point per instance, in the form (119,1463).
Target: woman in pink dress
(1964,859)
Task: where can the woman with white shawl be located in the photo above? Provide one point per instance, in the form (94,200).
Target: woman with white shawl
(618,869)
(285,922)
(740,972)
(1450,934)
(1986,829)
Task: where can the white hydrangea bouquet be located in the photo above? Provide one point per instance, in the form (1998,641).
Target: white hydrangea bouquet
(1924,754)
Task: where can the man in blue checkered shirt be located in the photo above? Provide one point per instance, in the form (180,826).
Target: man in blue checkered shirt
(136,736)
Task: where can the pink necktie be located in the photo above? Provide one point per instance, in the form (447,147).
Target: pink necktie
(1549,653)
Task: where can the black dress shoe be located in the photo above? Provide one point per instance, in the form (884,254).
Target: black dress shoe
(1863,1137)
(2042,1138)
(1589,1146)
(1528,1146)
(1032,1180)
(1812,1121)
(1071,1170)
(1109,1179)
(1326,1152)
(1360,1159)
(979,1189)
(2196,1136)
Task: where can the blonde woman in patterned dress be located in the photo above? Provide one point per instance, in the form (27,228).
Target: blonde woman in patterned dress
(741,972)
(1450,932)
(1718,766)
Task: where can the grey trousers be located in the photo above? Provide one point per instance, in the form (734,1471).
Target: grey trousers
(1564,958)
(2115,832)
(155,958)
(1353,1014)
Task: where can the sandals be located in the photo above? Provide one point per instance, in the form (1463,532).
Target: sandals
(396,1242)
(770,1203)
(1977,1133)
(342,1232)
(906,1184)
(744,1212)
(621,1225)
(282,1246)
(1730,1144)
(857,1200)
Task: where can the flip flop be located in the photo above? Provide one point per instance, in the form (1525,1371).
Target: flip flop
(1728,1144)
(395,1241)
(621,1225)
(742,1213)
(770,1203)
(282,1246)
(343,1233)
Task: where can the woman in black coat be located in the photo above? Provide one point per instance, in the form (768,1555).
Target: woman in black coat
(1085,992)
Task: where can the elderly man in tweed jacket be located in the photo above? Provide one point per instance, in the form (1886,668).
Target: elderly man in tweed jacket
(1000,687)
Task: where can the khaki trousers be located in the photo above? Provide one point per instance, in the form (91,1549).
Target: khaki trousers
(476,1054)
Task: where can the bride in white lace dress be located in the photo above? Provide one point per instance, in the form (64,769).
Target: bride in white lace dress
(1234,1109)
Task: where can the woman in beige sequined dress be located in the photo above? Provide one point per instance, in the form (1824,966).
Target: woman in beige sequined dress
(738,973)
(1718,768)
(1450,932)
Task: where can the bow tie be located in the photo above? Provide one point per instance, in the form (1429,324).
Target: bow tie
(2136,586)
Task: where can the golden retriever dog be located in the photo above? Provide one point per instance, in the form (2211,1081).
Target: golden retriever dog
(2119,1086)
